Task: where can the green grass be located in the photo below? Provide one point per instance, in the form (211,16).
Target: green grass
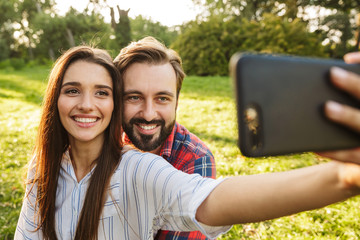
(20,98)
(207,109)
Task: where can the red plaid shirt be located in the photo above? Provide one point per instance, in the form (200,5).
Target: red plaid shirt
(188,153)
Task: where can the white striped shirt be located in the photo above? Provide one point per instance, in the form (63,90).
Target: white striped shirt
(148,194)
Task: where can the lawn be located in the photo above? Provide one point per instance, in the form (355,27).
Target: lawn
(207,108)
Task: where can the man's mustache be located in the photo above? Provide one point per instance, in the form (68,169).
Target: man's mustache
(143,121)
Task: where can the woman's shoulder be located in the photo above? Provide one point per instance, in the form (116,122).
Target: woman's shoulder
(135,161)
(135,156)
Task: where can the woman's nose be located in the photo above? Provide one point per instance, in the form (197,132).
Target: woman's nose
(86,103)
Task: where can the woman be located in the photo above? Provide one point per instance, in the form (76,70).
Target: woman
(83,185)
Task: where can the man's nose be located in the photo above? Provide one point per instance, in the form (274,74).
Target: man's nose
(149,111)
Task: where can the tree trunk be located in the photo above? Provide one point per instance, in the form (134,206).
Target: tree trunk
(70,38)
(51,54)
(112,14)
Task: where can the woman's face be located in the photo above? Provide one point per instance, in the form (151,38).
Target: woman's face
(86,103)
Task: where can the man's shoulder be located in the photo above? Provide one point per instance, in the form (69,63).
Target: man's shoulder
(189,141)
(190,154)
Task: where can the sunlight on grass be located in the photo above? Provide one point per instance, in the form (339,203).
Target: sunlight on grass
(20,98)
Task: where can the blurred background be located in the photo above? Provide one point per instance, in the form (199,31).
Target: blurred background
(205,32)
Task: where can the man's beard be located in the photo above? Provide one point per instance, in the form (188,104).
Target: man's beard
(146,142)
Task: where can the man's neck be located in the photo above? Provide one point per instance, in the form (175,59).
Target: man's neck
(157,150)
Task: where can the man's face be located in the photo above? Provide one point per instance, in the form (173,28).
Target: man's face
(150,103)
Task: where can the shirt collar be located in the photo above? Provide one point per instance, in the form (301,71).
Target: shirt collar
(166,148)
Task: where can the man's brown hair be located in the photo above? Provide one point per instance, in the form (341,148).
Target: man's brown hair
(151,51)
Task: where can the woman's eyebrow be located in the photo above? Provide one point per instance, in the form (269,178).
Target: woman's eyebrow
(71,84)
(79,84)
(103,86)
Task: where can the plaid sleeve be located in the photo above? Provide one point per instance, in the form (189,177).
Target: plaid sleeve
(169,235)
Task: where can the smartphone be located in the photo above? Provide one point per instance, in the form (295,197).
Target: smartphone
(280,103)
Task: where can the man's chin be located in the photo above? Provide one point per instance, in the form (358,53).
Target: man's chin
(147,147)
(151,144)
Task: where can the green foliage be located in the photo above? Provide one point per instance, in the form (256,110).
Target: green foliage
(13,63)
(338,29)
(207,47)
(17,63)
(56,34)
(51,35)
(142,27)
(89,28)
(5,64)
(7,17)
(339,22)
(4,46)
(7,10)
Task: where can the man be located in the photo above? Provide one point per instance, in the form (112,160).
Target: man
(153,76)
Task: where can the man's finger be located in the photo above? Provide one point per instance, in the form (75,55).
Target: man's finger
(350,155)
(343,114)
(353,57)
(346,81)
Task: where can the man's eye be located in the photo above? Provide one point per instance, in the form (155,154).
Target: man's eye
(163,99)
(133,98)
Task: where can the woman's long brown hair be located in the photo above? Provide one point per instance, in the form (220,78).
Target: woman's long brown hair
(52,141)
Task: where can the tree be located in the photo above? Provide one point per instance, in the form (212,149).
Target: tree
(122,27)
(338,32)
(206,47)
(142,27)
(8,19)
(57,33)
(50,31)
(28,10)
(337,29)
(87,28)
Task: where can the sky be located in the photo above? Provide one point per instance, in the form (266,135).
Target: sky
(167,12)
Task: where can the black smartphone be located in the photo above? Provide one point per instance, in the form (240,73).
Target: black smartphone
(280,103)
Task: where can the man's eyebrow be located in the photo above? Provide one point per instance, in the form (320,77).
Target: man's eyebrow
(166,93)
(131,91)
(77,84)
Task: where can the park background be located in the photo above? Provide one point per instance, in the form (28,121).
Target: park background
(33,34)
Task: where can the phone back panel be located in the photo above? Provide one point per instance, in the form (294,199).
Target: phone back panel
(280,105)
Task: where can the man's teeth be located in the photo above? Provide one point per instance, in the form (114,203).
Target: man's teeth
(85,120)
(146,127)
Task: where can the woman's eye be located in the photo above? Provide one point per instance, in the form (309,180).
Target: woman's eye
(102,93)
(71,91)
